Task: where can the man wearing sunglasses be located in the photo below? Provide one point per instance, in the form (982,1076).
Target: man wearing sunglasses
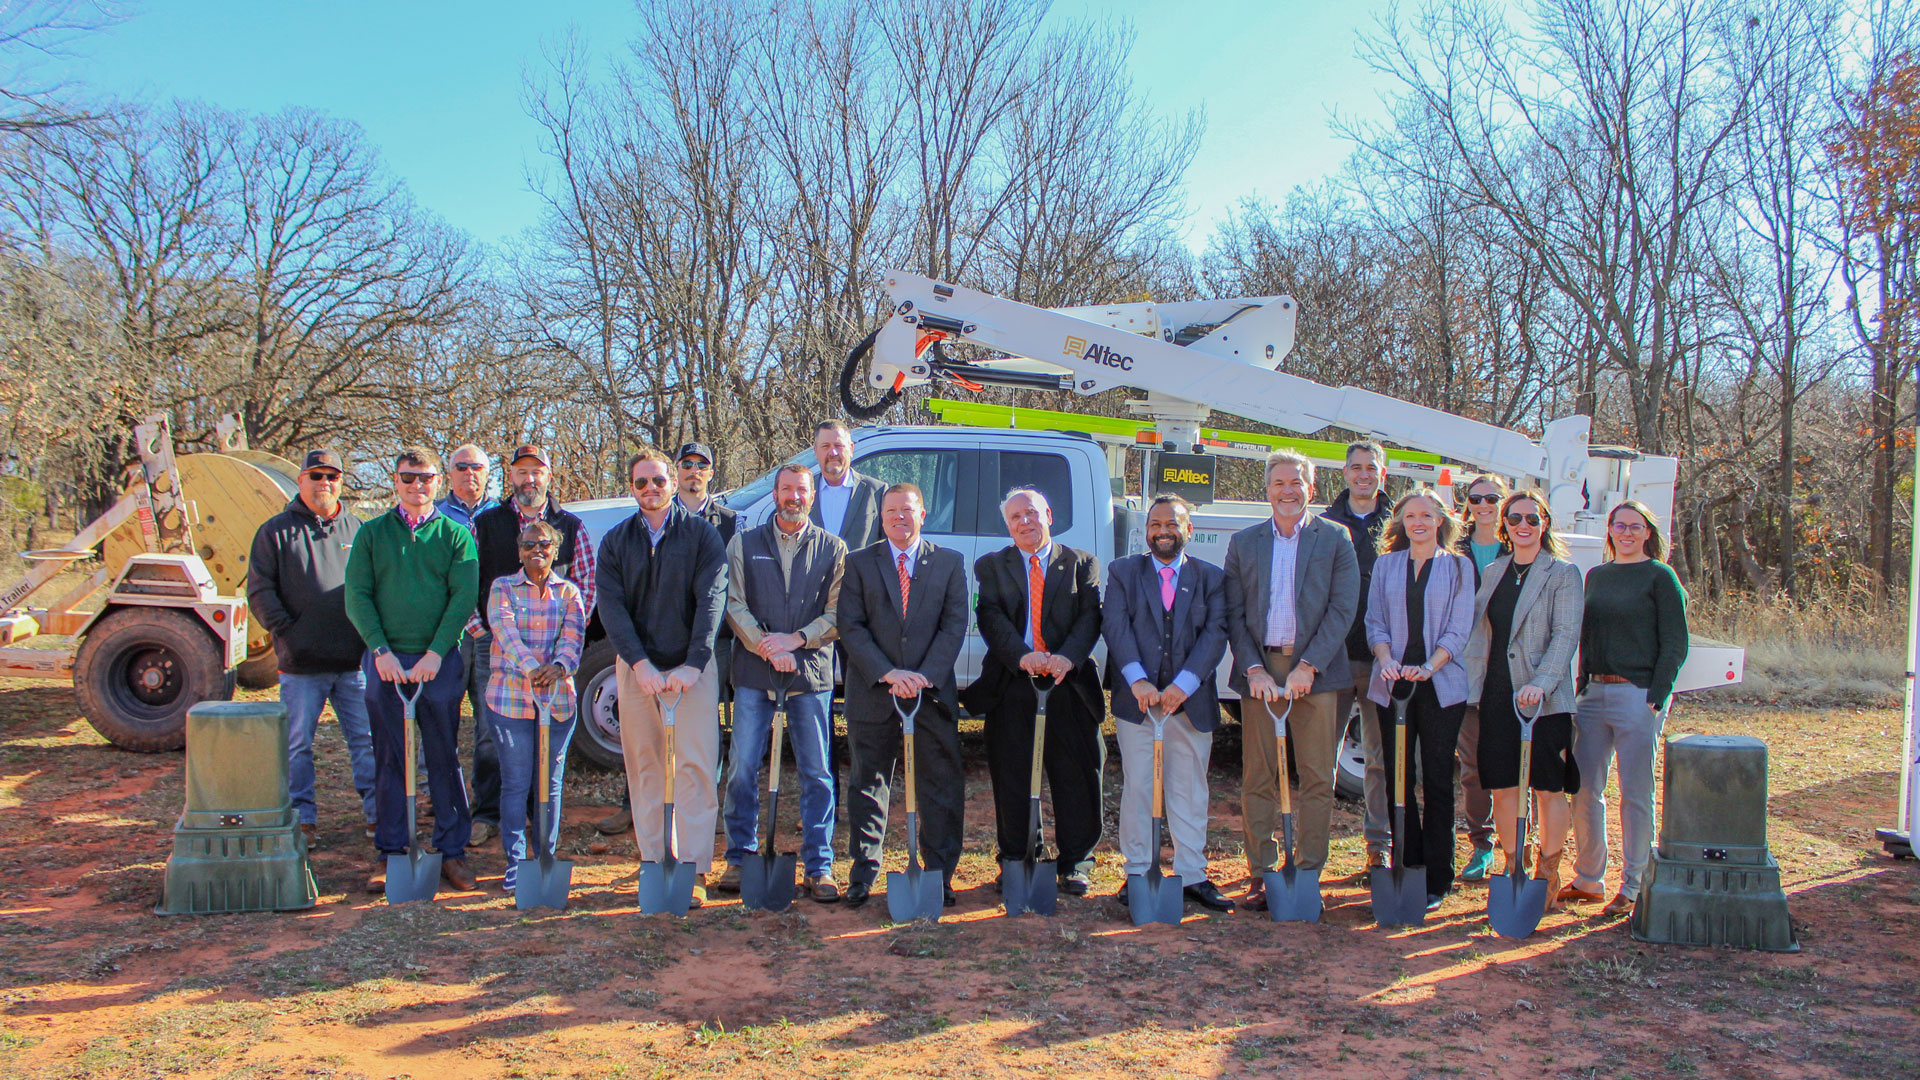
(412,582)
(466,485)
(296,582)
(496,530)
(663,592)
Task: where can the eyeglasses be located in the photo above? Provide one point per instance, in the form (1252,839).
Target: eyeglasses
(656,481)
(319,476)
(469,466)
(1627,527)
(536,545)
(416,477)
(696,465)
(1483,500)
(1531,519)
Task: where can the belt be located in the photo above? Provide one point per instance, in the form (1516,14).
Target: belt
(1283,650)
(1609,678)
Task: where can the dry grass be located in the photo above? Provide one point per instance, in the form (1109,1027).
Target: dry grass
(1838,647)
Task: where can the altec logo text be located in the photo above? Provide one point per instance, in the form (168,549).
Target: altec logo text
(1097,354)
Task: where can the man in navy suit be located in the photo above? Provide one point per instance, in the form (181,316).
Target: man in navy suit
(1039,612)
(902,622)
(1166,627)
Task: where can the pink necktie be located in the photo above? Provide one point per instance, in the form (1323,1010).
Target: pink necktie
(1166,587)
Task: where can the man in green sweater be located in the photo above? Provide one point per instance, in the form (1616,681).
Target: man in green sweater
(412,581)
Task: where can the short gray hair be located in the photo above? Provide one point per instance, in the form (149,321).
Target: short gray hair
(1032,493)
(475,447)
(1288,457)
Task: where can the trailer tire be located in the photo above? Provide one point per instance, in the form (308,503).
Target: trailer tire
(140,669)
(596,738)
(259,672)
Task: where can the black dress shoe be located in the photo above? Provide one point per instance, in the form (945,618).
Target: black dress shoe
(1075,884)
(1208,896)
(857,893)
(1434,900)
(947,897)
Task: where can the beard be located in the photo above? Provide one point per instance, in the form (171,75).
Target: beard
(1167,546)
(794,513)
(530,496)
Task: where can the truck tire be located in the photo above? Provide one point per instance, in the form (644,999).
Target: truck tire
(596,739)
(1350,762)
(259,672)
(140,669)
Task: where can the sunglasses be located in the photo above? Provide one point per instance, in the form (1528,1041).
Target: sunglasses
(320,476)
(656,481)
(416,477)
(696,465)
(536,545)
(1531,519)
(1483,500)
(468,466)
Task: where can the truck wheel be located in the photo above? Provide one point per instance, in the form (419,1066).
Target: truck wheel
(138,671)
(259,672)
(596,739)
(1350,762)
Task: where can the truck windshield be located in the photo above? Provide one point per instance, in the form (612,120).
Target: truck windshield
(760,486)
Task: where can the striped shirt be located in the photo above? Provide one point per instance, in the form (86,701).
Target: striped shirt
(1282,624)
(534,625)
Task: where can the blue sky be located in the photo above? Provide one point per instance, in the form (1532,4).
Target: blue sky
(437,84)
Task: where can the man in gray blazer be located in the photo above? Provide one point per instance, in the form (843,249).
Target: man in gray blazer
(902,622)
(1293,585)
(848,504)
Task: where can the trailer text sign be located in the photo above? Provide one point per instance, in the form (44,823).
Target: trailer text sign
(1189,476)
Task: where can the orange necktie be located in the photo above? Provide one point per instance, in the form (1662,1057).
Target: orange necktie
(906,584)
(1036,584)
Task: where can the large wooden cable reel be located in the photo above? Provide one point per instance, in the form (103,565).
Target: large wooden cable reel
(232,494)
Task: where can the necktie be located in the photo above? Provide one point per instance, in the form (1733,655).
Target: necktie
(906,584)
(1166,587)
(1036,584)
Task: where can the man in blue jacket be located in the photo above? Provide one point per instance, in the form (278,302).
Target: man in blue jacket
(662,594)
(1165,620)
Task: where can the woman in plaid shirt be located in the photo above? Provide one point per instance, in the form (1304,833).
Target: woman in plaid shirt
(539,627)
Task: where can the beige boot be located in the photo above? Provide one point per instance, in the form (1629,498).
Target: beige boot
(1548,870)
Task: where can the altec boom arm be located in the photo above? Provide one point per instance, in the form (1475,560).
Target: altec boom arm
(1230,366)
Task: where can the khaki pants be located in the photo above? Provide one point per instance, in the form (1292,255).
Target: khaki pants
(1313,729)
(643,743)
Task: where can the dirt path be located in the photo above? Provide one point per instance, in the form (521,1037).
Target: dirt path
(94,985)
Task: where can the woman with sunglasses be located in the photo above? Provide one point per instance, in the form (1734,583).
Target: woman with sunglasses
(1478,540)
(1520,658)
(1419,612)
(1631,647)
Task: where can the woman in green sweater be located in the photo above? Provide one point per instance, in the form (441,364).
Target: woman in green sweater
(1632,643)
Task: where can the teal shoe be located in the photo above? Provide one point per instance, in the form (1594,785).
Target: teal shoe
(1479,866)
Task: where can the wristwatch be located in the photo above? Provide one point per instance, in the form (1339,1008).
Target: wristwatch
(1427,670)
(381,651)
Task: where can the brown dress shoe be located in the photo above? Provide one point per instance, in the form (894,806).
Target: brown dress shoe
(455,873)
(312,833)
(699,891)
(620,821)
(1377,860)
(1256,898)
(377,874)
(1575,893)
(729,880)
(822,889)
(1617,906)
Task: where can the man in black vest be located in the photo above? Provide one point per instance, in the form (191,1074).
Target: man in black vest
(783,595)
(1039,614)
(497,532)
(1365,511)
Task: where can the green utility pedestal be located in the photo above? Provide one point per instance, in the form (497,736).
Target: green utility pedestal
(1713,881)
(238,846)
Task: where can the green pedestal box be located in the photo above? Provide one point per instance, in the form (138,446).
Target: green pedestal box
(1712,880)
(238,845)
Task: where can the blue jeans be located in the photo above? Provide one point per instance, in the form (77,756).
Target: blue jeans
(438,714)
(304,696)
(519,741)
(477,654)
(807,727)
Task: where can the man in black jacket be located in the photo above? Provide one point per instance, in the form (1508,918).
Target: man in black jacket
(662,595)
(496,532)
(1039,614)
(296,587)
(903,621)
(1365,511)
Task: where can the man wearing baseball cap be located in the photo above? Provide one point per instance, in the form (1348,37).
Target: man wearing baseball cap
(296,587)
(497,530)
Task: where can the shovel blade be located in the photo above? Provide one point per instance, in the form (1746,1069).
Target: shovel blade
(543,882)
(1154,899)
(766,884)
(413,876)
(1029,888)
(666,888)
(915,894)
(1399,896)
(1516,904)
(1293,896)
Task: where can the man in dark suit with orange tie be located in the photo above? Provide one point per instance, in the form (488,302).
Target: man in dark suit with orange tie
(1039,614)
(903,620)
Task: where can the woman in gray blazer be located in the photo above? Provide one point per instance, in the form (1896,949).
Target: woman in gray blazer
(1528,610)
(1419,611)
